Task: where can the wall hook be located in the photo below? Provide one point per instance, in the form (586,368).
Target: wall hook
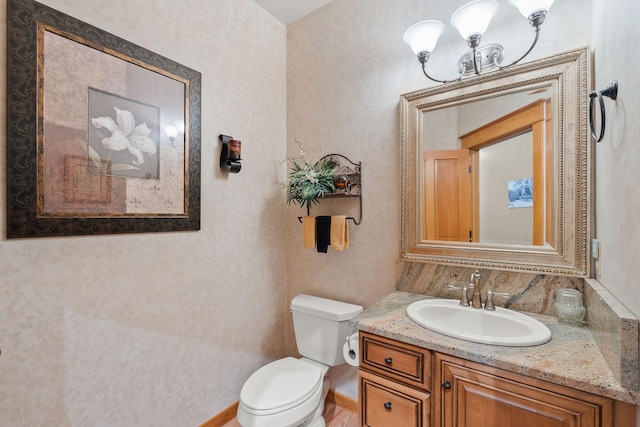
(611,92)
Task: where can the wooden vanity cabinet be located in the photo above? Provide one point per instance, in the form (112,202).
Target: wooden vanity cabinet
(468,394)
(401,385)
(394,383)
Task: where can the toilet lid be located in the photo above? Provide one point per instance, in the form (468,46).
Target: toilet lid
(281,385)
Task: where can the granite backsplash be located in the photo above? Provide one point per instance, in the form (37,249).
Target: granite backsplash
(615,330)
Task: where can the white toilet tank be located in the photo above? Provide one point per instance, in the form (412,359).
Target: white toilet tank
(321,326)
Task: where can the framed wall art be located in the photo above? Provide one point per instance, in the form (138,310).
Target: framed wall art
(103,135)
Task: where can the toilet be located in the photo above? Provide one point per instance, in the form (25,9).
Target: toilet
(290,392)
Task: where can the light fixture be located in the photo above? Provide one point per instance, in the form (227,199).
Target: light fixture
(472,20)
(173,130)
(230,154)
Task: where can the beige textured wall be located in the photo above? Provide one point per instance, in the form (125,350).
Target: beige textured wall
(617,157)
(159,329)
(615,33)
(346,68)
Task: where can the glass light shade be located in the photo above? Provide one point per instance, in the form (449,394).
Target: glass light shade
(171,131)
(423,36)
(474,17)
(179,124)
(529,7)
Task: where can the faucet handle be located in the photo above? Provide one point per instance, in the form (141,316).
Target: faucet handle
(489,304)
(464,300)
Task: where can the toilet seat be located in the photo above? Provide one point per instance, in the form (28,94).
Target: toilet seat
(280,385)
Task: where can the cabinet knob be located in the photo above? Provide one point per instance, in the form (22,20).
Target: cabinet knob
(388,405)
(388,360)
(446,385)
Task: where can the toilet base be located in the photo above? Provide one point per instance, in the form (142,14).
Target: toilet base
(319,423)
(318,419)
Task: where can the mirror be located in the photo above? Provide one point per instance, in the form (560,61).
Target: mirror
(479,163)
(495,169)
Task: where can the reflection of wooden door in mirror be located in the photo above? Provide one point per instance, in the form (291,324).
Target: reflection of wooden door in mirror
(447,195)
(530,118)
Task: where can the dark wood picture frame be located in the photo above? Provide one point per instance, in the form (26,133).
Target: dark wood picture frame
(60,184)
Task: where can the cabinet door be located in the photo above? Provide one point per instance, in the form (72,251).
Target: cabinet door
(385,403)
(470,397)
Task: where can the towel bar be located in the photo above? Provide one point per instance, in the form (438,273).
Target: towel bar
(350,218)
(612,92)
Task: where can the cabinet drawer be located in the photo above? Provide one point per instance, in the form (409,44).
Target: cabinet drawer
(400,361)
(385,403)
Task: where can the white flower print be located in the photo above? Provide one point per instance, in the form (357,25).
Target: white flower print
(126,135)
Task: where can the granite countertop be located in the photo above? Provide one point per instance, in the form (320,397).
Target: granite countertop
(571,358)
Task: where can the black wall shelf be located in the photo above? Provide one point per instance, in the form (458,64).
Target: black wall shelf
(351,173)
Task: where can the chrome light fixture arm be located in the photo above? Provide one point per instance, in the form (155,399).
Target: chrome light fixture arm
(535,20)
(474,42)
(423,57)
(476,67)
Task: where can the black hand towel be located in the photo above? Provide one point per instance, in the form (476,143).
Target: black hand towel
(323,233)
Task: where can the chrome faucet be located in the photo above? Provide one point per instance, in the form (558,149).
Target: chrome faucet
(464,299)
(489,305)
(477,299)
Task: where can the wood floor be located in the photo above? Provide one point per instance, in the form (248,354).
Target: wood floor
(335,416)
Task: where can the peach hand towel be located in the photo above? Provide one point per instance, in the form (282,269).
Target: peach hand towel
(309,232)
(339,232)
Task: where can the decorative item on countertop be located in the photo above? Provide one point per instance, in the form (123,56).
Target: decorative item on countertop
(308,181)
(569,306)
(230,154)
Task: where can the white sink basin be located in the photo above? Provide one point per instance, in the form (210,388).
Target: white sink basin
(501,327)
